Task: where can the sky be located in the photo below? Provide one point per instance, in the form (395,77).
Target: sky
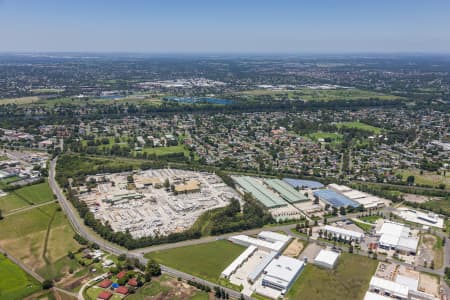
(228,26)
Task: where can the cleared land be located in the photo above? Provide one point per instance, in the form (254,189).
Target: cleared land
(434,245)
(14,282)
(361,126)
(426,178)
(349,280)
(23,100)
(204,260)
(39,237)
(29,195)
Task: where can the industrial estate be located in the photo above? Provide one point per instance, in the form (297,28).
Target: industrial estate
(205,178)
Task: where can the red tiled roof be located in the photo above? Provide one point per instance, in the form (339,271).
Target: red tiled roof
(122,290)
(105,283)
(121,274)
(132,282)
(105,295)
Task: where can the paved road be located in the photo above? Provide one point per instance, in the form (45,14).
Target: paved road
(88,234)
(24,267)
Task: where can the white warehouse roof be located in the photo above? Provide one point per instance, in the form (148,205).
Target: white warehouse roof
(393,288)
(265,245)
(282,271)
(326,258)
(396,235)
(273,236)
(238,261)
(344,232)
(339,188)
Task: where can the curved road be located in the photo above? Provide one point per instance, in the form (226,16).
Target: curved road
(89,235)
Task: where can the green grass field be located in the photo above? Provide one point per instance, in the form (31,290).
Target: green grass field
(349,280)
(326,135)
(371,219)
(321,95)
(24,235)
(203,260)
(159,151)
(363,226)
(361,126)
(29,195)
(14,282)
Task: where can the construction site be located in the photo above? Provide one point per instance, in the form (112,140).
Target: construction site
(154,202)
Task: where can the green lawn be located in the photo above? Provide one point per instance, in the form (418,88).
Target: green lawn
(14,282)
(349,280)
(371,219)
(361,126)
(363,226)
(159,151)
(326,135)
(29,195)
(309,94)
(203,260)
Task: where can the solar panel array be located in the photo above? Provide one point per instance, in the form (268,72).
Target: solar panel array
(302,183)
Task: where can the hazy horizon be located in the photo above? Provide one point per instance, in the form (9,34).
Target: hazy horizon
(231,27)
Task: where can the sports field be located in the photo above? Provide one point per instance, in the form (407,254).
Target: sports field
(29,195)
(14,282)
(349,280)
(361,126)
(206,261)
(38,237)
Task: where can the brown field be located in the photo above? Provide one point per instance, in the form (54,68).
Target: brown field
(23,100)
(294,249)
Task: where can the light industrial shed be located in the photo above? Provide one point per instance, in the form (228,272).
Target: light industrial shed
(327,259)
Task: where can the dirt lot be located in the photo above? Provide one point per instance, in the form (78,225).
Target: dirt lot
(419,198)
(294,249)
(429,284)
(429,250)
(310,252)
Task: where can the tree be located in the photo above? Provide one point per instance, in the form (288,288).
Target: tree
(410,180)
(1,215)
(153,268)
(342,210)
(47,284)
(122,257)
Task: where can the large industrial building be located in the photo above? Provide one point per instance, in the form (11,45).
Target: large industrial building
(398,237)
(343,233)
(281,273)
(303,184)
(286,191)
(334,199)
(364,199)
(261,268)
(258,190)
(393,281)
